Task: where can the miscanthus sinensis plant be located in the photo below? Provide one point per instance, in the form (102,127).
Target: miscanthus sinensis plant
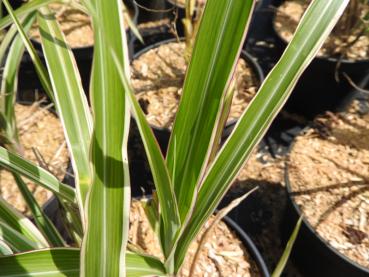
(190,182)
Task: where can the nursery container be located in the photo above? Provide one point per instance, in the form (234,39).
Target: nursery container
(163,134)
(311,252)
(317,90)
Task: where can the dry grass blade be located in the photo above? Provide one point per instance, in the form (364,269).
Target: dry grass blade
(220,215)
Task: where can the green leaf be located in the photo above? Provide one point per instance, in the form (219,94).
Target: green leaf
(42,221)
(40,69)
(314,28)
(108,205)
(24,10)
(168,205)
(7,103)
(9,81)
(46,263)
(6,41)
(65,262)
(21,224)
(143,265)
(287,252)
(36,174)
(16,240)
(214,56)
(70,99)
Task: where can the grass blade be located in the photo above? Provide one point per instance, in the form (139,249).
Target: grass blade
(24,10)
(104,245)
(287,252)
(7,103)
(70,99)
(314,28)
(213,60)
(65,262)
(36,174)
(21,224)
(143,265)
(169,215)
(9,81)
(46,263)
(16,241)
(42,221)
(40,69)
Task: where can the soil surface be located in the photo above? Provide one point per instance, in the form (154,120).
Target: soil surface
(222,255)
(41,131)
(329,176)
(288,16)
(158,77)
(75,24)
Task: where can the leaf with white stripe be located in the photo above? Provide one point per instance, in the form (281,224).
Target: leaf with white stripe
(5,250)
(24,10)
(21,224)
(65,262)
(17,164)
(16,241)
(70,99)
(9,80)
(46,263)
(169,215)
(105,241)
(216,50)
(40,69)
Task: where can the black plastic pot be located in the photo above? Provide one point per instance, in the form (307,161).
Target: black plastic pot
(317,90)
(163,134)
(311,253)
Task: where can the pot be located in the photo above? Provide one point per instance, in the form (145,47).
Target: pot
(311,253)
(318,90)
(163,134)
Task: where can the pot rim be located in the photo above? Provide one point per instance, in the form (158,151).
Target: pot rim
(249,244)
